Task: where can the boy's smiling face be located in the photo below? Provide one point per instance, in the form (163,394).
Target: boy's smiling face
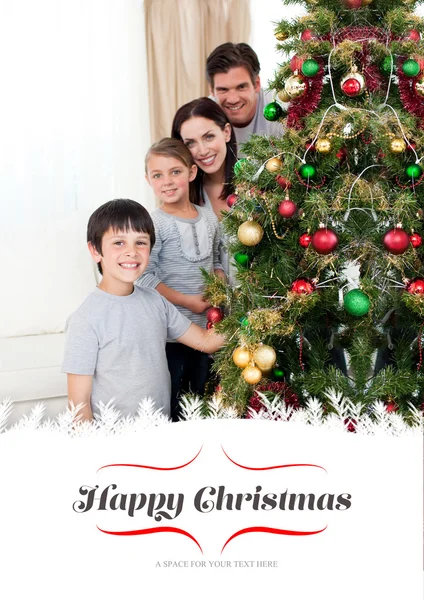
(124,258)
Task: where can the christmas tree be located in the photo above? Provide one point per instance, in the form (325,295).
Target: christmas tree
(326,222)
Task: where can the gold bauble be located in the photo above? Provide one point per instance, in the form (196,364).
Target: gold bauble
(281,36)
(252,375)
(283,96)
(295,86)
(250,233)
(419,86)
(397,145)
(323,145)
(273,165)
(241,357)
(366,2)
(264,357)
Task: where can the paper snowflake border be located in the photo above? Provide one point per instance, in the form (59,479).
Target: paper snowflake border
(347,417)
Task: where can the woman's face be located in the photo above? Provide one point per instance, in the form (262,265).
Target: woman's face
(206,142)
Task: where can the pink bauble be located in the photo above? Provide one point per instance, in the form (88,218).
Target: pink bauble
(287,209)
(414,35)
(296,62)
(307,35)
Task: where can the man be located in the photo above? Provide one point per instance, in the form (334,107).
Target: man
(232,71)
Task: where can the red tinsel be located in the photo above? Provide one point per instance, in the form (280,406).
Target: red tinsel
(276,387)
(375,80)
(411,102)
(308,102)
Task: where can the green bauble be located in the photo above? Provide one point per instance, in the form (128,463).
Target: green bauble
(411,68)
(273,111)
(238,167)
(356,303)
(310,67)
(413,171)
(244,322)
(278,374)
(387,65)
(308,171)
(241,258)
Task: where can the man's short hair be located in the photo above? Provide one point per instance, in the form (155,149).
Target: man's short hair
(119,215)
(229,55)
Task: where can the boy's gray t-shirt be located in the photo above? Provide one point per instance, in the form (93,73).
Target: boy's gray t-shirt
(120,340)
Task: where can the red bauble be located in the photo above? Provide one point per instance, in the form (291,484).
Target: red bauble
(270,390)
(396,241)
(283,182)
(209,325)
(296,62)
(351,87)
(214,315)
(231,200)
(413,35)
(415,286)
(307,35)
(416,240)
(302,286)
(392,407)
(287,209)
(305,240)
(324,241)
(342,154)
(310,146)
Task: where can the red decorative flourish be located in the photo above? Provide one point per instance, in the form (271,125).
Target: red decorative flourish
(317,186)
(153,530)
(411,102)
(269,468)
(154,468)
(308,102)
(270,530)
(411,185)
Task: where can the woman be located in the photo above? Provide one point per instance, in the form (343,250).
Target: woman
(203,127)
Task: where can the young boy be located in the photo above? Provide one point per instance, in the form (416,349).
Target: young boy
(115,341)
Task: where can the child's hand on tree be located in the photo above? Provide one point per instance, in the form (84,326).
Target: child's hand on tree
(197,304)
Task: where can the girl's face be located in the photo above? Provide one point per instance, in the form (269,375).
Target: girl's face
(170,179)
(206,142)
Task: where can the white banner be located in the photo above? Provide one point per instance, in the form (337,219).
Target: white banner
(212,509)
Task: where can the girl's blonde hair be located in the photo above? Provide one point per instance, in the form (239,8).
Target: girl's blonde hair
(175,149)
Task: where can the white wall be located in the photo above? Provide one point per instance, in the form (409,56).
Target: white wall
(265,14)
(74,130)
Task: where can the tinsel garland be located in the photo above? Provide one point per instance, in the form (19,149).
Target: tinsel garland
(375,81)
(285,393)
(411,102)
(307,103)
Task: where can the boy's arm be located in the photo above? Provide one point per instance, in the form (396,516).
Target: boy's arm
(79,392)
(202,339)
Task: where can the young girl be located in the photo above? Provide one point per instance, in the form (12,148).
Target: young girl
(187,239)
(204,128)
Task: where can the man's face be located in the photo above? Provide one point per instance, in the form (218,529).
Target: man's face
(237,95)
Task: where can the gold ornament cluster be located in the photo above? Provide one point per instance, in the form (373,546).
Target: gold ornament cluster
(254,363)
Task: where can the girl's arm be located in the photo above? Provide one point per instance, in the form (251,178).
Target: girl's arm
(194,302)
